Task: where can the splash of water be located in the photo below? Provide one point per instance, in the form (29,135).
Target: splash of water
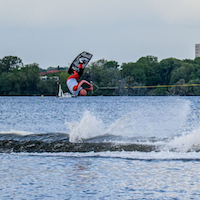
(89,126)
(156,121)
(153,121)
(186,142)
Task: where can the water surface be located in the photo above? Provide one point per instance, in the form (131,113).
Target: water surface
(99,148)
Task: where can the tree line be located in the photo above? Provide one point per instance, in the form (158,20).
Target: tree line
(109,77)
(19,79)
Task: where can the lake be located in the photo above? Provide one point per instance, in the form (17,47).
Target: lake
(100,148)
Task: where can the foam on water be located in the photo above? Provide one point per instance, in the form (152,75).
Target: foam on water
(163,155)
(17,132)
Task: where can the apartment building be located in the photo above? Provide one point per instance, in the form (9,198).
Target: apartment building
(197,50)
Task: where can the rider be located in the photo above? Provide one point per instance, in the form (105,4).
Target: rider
(72,81)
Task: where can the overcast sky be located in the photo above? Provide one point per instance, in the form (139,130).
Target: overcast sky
(53,32)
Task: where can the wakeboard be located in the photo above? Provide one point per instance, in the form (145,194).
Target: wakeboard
(75,63)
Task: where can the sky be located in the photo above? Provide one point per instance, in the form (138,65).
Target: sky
(54,32)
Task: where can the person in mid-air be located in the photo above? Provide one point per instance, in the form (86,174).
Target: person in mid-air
(73,84)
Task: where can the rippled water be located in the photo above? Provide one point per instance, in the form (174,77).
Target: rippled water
(60,177)
(37,128)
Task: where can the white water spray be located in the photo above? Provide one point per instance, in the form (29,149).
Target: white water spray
(89,126)
(186,142)
(149,121)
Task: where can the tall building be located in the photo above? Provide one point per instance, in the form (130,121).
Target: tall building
(197,50)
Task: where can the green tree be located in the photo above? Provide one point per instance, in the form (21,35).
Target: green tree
(134,70)
(111,64)
(62,80)
(10,62)
(5,86)
(151,70)
(103,73)
(179,90)
(31,72)
(194,90)
(166,66)
(182,72)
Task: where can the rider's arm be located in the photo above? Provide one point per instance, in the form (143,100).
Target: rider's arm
(85,82)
